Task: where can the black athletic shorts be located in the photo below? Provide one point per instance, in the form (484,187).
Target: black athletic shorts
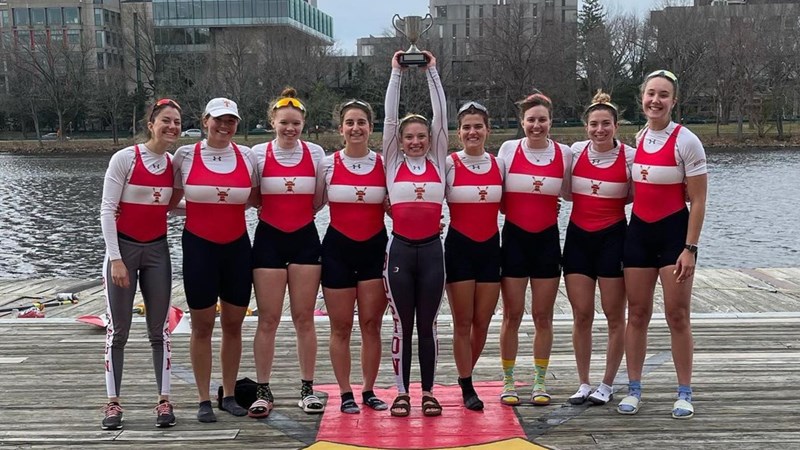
(657,244)
(212,271)
(530,255)
(345,262)
(276,249)
(594,253)
(465,259)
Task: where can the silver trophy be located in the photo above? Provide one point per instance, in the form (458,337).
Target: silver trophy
(411,28)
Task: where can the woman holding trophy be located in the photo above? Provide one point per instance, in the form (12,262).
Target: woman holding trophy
(415,152)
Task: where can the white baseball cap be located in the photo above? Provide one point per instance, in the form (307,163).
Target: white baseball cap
(221,106)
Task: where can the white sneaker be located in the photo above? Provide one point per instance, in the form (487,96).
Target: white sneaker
(602,395)
(579,397)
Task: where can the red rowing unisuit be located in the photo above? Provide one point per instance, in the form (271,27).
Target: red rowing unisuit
(417,202)
(215,202)
(145,201)
(474,200)
(531,197)
(659,190)
(599,194)
(287,193)
(356,201)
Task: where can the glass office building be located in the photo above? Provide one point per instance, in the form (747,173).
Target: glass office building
(189,23)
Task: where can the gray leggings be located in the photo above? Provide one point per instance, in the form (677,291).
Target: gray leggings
(414,279)
(148,266)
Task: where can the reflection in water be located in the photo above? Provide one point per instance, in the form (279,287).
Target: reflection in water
(51,205)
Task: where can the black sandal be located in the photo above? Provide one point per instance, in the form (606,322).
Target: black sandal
(349,406)
(376,403)
(431,406)
(473,403)
(401,406)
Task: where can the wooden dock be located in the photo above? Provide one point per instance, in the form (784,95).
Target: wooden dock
(746,365)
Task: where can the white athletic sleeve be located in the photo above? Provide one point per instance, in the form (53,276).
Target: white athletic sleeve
(317,153)
(506,154)
(252,164)
(439,137)
(692,153)
(118,173)
(324,174)
(391,151)
(630,153)
(181,163)
(449,175)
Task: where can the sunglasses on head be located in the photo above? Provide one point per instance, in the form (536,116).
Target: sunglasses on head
(663,73)
(289,101)
(413,116)
(161,103)
(356,102)
(472,105)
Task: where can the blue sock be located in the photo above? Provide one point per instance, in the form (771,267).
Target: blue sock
(635,388)
(685,392)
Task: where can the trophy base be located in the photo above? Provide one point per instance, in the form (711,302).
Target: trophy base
(413,59)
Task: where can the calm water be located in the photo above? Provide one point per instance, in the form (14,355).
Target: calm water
(50,213)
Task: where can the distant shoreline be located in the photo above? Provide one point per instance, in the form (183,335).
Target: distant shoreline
(332,142)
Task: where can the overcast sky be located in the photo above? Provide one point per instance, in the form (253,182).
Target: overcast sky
(353,19)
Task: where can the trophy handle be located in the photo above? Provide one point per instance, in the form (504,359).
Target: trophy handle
(427,16)
(396,18)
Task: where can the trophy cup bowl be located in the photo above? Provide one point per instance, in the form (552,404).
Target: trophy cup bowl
(411,28)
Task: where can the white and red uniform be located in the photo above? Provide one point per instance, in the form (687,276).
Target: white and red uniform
(417,202)
(215,199)
(599,194)
(136,193)
(663,160)
(287,191)
(474,199)
(145,202)
(534,180)
(356,200)
(414,265)
(138,186)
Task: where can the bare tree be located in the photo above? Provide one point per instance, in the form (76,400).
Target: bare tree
(110,99)
(518,54)
(684,47)
(60,72)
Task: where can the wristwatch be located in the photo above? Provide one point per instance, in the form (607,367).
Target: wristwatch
(691,247)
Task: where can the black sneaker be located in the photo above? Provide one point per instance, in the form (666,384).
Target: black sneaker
(165,417)
(205,413)
(113,416)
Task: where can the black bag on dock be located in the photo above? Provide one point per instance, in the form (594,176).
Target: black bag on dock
(244,392)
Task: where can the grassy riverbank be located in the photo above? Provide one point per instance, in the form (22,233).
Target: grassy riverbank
(332,141)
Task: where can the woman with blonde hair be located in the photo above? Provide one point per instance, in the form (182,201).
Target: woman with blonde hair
(286,249)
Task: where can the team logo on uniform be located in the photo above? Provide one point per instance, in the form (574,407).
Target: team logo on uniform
(222,195)
(360,194)
(482,193)
(645,172)
(216,158)
(538,184)
(289,184)
(419,191)
(596,187)
(157,195)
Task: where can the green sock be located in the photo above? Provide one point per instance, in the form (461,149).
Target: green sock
(540,365)
(508,370)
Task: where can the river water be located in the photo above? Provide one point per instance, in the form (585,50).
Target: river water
(50,223)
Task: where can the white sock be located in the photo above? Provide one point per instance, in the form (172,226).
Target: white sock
(583,391)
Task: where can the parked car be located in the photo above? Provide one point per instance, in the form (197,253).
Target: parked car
(192,132)
(52,137)
(258,130)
